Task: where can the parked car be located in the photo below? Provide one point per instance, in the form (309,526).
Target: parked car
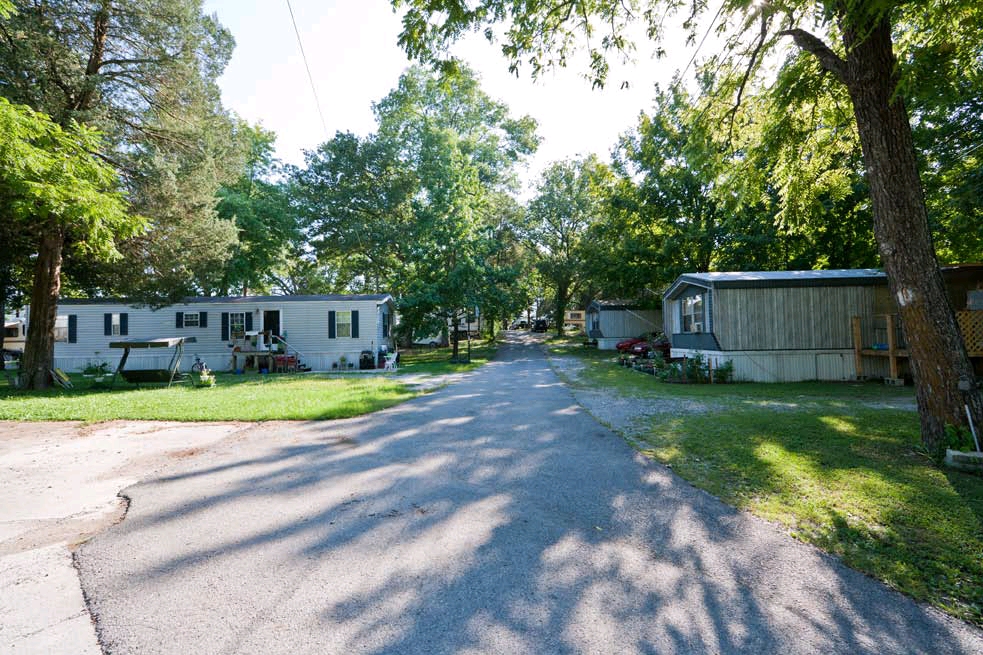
(627,344)
(659,344)
(518,325)
(540,325)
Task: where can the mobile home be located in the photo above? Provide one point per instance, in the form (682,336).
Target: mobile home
(784,326)
(319,330)
(611,321)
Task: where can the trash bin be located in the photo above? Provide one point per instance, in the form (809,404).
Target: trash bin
(366,361)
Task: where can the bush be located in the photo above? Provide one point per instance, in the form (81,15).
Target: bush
(96,368)
(724,373)
(959,438)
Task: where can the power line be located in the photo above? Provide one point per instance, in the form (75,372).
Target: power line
(308,67)
(702,41)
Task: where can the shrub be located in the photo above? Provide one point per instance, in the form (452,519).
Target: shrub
(724,373)
(959,438)
(96,368)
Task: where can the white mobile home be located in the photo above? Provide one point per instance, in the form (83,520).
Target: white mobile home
(319,330)
(611,321)
(786,326)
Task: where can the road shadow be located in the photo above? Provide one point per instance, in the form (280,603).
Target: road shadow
(491,516)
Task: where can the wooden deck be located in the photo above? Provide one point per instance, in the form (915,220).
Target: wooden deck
(970,326)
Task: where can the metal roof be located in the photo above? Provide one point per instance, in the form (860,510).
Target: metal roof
(788,276)
(776,279)
(233,300)
(610,305)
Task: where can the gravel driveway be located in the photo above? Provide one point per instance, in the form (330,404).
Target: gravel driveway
(492,516)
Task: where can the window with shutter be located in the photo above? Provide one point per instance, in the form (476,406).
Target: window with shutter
(343,324)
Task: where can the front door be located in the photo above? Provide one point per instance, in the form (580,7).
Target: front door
(271,321)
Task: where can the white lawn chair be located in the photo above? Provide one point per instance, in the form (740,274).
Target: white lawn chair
(391,364)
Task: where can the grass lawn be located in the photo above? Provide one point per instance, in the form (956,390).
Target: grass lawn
(436,361)
(233,398)
(836,464)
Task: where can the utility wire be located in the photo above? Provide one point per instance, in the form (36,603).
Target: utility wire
(310,77)
(702,41)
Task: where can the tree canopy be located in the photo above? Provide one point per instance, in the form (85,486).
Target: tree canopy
(418,207)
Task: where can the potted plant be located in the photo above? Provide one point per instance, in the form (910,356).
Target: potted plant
(203,378)
(96,370)
(342,362)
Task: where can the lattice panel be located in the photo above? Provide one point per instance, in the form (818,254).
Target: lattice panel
(971,326)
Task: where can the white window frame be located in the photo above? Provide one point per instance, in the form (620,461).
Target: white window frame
(339,323)
(197,320)
(61,328)
(692,314)
(233,333)
(115,331)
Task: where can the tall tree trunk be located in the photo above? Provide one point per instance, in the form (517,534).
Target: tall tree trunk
(39,349)
(937,353)
(562,300)
(455,338)
(5,284)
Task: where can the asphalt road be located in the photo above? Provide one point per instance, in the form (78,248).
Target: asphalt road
(493,516)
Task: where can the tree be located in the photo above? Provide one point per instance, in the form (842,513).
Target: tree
(53,185)
(260,206)
(414,209)
(143,73)
(859,53)
(569,198)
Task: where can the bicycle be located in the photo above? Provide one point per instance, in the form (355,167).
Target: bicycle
(199,366)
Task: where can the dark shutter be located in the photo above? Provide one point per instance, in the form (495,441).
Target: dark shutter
(331,332)
(124,324)
(107,325)
(355,324)
(73,328)
(225,326)
(249,321)
(202,319)
(179,320)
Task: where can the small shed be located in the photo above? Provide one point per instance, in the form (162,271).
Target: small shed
(785,326)
(611,321)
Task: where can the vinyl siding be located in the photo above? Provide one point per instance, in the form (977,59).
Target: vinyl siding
(621,324)
(790,318)
(304,324)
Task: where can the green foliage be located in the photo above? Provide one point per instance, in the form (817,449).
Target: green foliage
(49,179)
(149,87)
(958,437)
(418,208)
(269,231)
(569,198)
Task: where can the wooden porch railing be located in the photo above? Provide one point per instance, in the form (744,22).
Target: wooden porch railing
(970,326)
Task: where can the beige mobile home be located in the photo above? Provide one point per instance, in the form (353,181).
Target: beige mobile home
(784,326)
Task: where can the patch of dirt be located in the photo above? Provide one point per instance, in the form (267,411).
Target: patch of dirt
(184,454)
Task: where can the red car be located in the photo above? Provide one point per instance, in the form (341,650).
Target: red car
(659,344)
(627,344)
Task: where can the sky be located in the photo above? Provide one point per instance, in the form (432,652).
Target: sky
(355,60)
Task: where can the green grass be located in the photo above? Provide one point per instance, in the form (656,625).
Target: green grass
(236,397)
(837,464)
(233,398)
(436,361)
